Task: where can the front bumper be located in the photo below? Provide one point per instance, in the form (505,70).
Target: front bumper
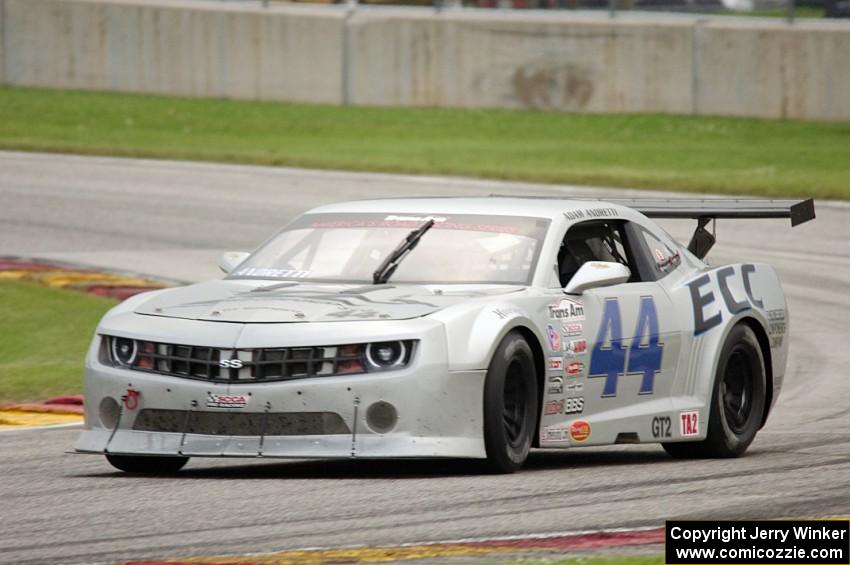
(439,412)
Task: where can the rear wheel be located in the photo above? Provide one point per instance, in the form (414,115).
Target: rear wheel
(737,402)
(145,465)
(510,405)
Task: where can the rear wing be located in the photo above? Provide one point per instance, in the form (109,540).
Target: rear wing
(705,210)
(800,211)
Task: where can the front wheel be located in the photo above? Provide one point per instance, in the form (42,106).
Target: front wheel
(147,465)
(737,401)
(510,405)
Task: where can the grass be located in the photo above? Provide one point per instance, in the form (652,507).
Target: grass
(723,155)
(799,12)
(43,340)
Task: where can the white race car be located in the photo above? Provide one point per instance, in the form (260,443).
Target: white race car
(449,327)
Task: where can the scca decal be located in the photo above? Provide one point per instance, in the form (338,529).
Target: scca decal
(609,355)
(701,300)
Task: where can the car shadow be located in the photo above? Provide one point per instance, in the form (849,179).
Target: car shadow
(538,461)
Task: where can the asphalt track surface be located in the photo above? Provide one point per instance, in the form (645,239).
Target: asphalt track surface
(172,219)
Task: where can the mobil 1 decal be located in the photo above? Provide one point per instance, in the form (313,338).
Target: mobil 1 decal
(611,357)
(703,290)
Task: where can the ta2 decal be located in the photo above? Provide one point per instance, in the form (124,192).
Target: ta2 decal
(689,423)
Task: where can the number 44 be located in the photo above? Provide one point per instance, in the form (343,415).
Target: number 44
(611,358)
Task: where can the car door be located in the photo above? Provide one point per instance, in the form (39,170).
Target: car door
(621,370)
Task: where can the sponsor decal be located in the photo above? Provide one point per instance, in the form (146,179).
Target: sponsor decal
(554,433)
(575,347)
(580,430)
(645,354)
(706,316)
(266,272)
(574,405)
(556,364)
(575,385)
(131,399)
(567,310)
(689,423)
(661,427)
(659,256)
(575,368)
(554,407)
(503,313)
(776,326)
(590,213)
(419,219)
(572,330)
(553,338)
(227,401)
(556,385)
(777,315)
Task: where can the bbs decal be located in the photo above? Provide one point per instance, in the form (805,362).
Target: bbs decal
(609,358)
(574,405)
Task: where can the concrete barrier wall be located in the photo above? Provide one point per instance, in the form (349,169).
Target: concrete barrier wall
(797,72)
(472,61)
(556,61)
(2,42)
(209,50)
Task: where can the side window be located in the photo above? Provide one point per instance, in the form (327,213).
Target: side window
(663,258)
(594,241)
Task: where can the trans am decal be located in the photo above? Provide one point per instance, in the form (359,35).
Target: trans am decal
(567,311)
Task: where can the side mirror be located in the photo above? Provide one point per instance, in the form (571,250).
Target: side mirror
(229,260)
(595,274)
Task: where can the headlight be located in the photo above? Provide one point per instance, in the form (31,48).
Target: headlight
(127,352)
(386,355)
(123,350)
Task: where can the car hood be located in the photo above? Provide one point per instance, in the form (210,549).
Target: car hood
(263,302)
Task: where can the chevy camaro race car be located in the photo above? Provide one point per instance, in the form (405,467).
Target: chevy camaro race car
(449,327)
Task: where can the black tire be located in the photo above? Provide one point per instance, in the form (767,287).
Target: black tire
(737,401)
(510,405)
(147,465)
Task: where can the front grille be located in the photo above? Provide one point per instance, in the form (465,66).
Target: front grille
(240,423)
(244,365)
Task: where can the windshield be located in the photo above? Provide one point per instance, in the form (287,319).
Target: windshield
(350,247)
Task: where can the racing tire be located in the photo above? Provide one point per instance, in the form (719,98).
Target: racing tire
(510,405)
(737,401)
(147,465)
